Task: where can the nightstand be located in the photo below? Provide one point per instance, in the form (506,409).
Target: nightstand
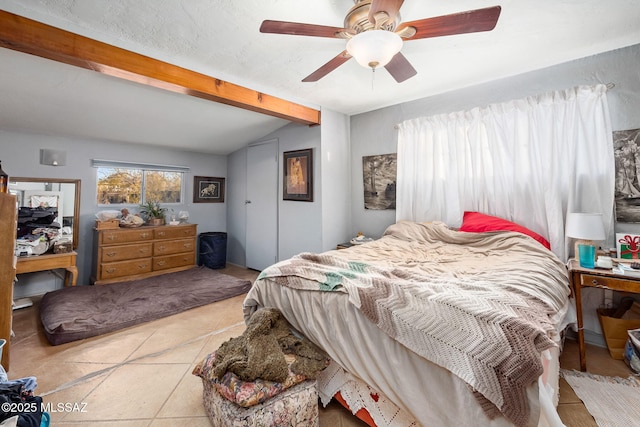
(596,278)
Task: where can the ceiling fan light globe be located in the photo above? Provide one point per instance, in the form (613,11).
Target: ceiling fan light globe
(374,48)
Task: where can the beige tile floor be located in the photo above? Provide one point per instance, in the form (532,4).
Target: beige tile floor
(141,376)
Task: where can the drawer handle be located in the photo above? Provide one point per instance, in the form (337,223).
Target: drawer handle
(111,270)
(161,263)
(594,282)
(161,248)
(161,233)
(187,245)
(110,254)
(143,250)
(141,266)
(144,235)
(112,237)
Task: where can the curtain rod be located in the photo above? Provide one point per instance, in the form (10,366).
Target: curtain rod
(609,86)
(96,163)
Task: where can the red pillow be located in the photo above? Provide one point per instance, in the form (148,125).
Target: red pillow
(477,222)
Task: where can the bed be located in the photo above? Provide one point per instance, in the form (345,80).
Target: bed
(431,326)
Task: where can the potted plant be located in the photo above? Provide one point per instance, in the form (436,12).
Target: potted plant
(153,212)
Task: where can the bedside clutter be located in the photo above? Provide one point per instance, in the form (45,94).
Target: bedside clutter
(604,262)
(615,323)
(344,245)
(358,240)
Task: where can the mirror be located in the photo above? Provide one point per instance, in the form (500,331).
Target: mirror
(55,196)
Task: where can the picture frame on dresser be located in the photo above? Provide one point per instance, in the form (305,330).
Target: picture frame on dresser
(208,189)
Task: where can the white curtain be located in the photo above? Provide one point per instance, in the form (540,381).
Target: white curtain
(529,161)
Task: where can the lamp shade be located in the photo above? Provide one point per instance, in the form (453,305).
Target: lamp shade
(585,226)
(374,48)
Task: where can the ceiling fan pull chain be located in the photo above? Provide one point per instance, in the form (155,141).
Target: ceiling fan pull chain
(373,77)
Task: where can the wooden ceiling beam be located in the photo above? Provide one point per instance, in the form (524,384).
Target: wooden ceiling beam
(35,38)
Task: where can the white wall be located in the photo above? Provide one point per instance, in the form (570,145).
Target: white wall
(21,157)
(336,176)
(299,223)
(302,226)
(374,132)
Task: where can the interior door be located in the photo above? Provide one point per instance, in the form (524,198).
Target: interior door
(262,205)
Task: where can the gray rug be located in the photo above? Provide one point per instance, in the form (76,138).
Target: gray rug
(79,312)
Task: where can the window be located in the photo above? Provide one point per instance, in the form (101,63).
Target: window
(132,184)
(119,186)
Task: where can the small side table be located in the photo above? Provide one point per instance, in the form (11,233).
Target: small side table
(596,278)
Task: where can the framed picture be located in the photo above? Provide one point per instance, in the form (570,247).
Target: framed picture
(207,189)
(379,181)
(626,144)
(628,245)
(298,175)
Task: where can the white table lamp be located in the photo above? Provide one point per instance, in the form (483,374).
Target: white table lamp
(585,227)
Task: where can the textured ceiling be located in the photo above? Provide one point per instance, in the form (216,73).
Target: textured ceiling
(220,38)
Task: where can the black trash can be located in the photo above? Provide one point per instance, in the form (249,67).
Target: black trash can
(212,249)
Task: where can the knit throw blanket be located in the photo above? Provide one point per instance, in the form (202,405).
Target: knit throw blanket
(488,334)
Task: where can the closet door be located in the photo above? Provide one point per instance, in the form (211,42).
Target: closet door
(262,205)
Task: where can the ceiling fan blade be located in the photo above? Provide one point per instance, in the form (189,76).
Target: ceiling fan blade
(337,61)
(299,29)
(400,68)
(391,7)
(471,21)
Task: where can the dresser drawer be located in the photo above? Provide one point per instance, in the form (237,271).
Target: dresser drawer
(175,231)
(125,252)
(168,247)
(114,237)
(617,284)
(172,261)
(112,270)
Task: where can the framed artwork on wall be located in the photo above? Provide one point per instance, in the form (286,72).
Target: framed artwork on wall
(626,149)
(208,189)
(379,181)
(298,175)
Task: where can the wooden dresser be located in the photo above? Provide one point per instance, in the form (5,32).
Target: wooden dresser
(7,271)
(124,254)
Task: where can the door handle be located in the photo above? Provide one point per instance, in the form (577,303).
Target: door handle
(246,202)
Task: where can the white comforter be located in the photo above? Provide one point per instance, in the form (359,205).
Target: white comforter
(415,383)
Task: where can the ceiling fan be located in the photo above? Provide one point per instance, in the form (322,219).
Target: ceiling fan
(375,33)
